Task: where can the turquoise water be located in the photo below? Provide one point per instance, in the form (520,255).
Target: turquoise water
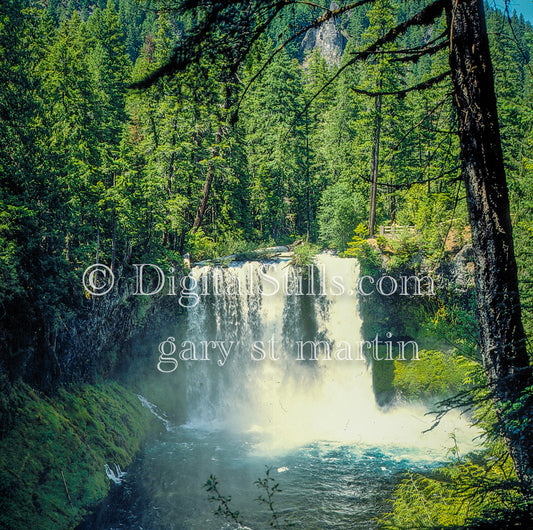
(324,485)
(313,422)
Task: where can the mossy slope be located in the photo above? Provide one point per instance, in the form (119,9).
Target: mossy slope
(52,459)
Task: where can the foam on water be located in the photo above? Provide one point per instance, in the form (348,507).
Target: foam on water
(288,403)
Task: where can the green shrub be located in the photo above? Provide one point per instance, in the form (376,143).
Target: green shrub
(358,247)
(304,255)
(405,255)
(201,246)
(436,374)
(479,489)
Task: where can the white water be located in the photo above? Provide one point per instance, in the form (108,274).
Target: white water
(115,475)
(289,402)
(334,452)
(154,409)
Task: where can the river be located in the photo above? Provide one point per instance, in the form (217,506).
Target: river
(277,379)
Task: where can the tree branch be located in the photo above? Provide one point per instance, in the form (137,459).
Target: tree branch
(190,50)
(316,23)
(414,57)
(414,127)
(401,93)
(422,18)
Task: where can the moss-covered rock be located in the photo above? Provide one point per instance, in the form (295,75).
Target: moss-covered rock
(52,459)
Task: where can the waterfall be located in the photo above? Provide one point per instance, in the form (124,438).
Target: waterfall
(254,330)
(256,397)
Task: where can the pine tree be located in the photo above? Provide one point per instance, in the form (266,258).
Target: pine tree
(276,150)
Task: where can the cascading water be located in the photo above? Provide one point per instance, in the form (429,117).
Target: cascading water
(254,399)
(270,383)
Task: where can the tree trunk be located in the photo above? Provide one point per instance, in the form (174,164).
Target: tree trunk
(114,231)
(215,150)
(374,166)
(307,180)
(208,183)
(503,339)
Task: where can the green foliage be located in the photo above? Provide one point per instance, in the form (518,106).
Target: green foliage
(514,417)
(223,508)
(405,254)
(52,459)
(454,322)
(201,246)
(435,375)
(304,255)
(361,249)
(270,487)
(435,217)
(232,245)
(275,148)
(339,212)
(455,496)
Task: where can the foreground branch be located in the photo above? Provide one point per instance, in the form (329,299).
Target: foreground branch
(401,93)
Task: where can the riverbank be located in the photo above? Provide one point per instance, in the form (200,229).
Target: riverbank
(54,456)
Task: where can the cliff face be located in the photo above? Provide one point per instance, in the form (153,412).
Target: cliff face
(98,338)
(118,329)
(406,317)
(328,39)
(53,459)
(55,445)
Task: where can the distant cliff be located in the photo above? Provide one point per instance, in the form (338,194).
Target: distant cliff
(328,38)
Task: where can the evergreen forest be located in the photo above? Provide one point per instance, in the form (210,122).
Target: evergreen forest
(148,131)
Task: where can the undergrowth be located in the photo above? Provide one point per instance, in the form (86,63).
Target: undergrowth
(52,458)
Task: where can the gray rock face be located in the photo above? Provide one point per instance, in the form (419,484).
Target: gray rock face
(327,38)
(463,268)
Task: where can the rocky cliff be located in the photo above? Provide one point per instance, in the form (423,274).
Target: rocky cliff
(328,38)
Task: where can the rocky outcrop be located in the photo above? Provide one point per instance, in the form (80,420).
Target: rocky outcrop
(118,329)
(328,38)
(99,337)
(461,269)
